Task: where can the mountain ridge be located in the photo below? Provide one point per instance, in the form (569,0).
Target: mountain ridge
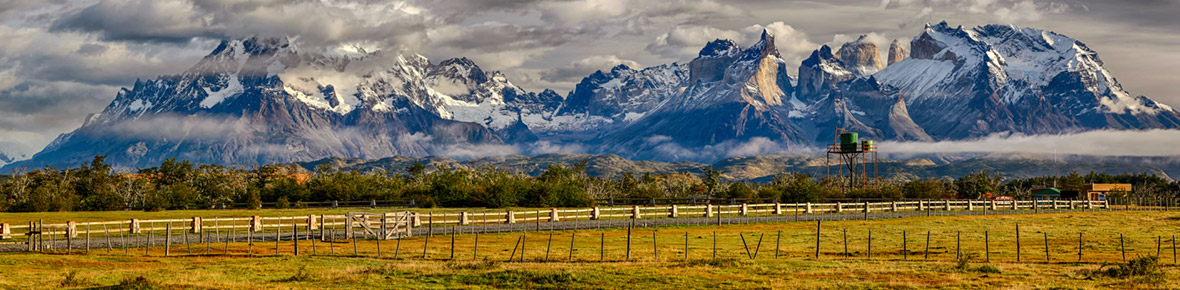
(263,100)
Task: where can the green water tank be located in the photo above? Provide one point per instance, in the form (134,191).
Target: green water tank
(867,145)
(852,147)
(849,138)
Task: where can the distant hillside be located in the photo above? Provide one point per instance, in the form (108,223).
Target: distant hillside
(762,168)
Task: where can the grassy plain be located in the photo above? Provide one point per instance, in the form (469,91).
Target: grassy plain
(334,267)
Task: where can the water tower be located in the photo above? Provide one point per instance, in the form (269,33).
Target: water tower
(853,157)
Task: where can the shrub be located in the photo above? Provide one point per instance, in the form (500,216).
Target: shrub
(137,283)
(988,269)
(71,279)
(1140,266)
(301,276)
(282,202)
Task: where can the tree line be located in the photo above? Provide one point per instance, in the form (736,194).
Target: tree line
(177,184)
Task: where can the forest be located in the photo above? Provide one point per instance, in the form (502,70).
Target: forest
(178,184)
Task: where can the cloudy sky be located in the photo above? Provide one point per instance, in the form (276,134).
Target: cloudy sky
(61,60)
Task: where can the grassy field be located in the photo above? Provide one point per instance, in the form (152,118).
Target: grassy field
(333,266)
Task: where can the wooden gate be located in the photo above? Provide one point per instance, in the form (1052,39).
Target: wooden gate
(380,225)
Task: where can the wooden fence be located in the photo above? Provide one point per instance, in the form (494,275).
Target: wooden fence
(33,233)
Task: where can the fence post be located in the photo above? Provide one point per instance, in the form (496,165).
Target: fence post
(808,211)
(348,232)
(134,226)
(416,219)
(839,207)
(745,209)
(72,229)
(511,217)
(893,206)
(463,219)
(1018,242)
(596,213)
(5,231)
(635,214)
(553,216)
(947,203)
(674,212)
(817,237)
(312,224)
(921,205)
(1123,247)
(905,249)
(970,205)
(256,224)
(168,239)
(708,210)
(993,205)
(629,242)
(195,225)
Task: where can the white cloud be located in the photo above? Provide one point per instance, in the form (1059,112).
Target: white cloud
(1100,143)
(1020,12)
(1002,11)
(579,69)
(685,41)
(665,148)
(632,11)
(792,43)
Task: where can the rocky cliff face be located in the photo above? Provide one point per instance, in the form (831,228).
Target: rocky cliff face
(896,52)
(745,101)
(861,56)
(820,73)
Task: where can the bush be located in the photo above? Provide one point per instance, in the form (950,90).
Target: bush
(71,279)
(282,203)
(301,276)
(988,269)
(137,283)
(1141,266)
(963,263)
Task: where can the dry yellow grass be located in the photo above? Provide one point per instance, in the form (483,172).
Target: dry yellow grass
(796,266)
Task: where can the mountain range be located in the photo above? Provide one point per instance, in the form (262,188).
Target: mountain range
(263,100)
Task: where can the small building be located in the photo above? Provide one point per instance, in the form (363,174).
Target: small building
(1099,191)
(1046,194)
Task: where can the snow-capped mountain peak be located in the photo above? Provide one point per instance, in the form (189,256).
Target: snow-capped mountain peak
(719,48)
(260,100)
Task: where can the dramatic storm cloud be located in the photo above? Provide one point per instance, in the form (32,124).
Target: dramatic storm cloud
(62,60)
